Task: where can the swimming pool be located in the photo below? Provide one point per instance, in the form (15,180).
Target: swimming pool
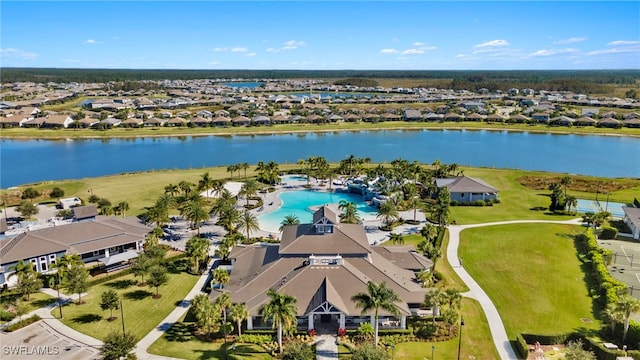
(301,203)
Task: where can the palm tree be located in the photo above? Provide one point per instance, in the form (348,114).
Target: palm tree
(289,220)
(396,239)
(349,213)
(627,306)
(239,313)
(197,249)
(171,189)
(612,313)
(589,218)
(453,298)
(249,189)
(414,203)
(248,222)
(566,181)
(388,212)
(281,310)
(185,186)
(206,313)
(205,183)
(66,261)
(429,232)
(194,211)
(229,218)
(570,201)
(244,166)
(377,297)
(220,276)
(434,300)
(122,207)
(224,201)
(223,302)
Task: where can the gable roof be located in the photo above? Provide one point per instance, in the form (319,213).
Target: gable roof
(304,240)
(463,184)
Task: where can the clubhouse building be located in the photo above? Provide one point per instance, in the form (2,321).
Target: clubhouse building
(323,264)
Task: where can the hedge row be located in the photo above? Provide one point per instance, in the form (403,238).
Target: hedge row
(22,323)
(610,287)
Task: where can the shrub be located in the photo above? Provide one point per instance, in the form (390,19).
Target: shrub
(608,232)
(22,323)
(6,315)
(426,330)
(522,347)
(341,332)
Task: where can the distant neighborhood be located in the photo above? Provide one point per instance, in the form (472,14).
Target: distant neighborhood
(266,102)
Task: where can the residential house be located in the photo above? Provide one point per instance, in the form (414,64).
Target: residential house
(57,121)
(466,189)
(323,264)
(411,115)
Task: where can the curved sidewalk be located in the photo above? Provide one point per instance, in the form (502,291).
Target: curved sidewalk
(498,332)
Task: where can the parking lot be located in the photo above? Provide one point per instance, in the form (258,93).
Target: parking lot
(40,341)
(626,263)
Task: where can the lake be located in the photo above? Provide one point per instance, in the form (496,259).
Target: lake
(28,161)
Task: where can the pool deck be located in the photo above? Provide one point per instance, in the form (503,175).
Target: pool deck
(375,236)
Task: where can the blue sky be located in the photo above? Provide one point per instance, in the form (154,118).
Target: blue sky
(322,35)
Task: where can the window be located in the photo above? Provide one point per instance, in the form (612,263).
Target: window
(96,252)
(52,259)
(43,266)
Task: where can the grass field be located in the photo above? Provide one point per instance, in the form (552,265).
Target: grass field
(32,133)
(476,340)
(533,276)
(195,349)
(36,300)
(141,189)
(141,312)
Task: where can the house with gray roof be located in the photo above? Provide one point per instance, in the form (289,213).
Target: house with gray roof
(466,189)
(323,264)
(90,236)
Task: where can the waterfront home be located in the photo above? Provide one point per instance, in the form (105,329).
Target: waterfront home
(88,235)
(464,189)
(610,123)
(412,115)
(632,220)
(323,264)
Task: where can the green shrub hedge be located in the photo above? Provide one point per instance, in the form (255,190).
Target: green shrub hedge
(521,346)
(608,232)
(22,323)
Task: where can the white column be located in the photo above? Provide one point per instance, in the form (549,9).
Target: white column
(137,245)
(403,321)
(372,320)
(106,252)
(250,323)
(342,320)
(310,325)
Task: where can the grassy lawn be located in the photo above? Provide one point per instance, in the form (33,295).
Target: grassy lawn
(195,349)
(36,300)
(519,202)
(540,286)
(284,128)
(141,312)
(476,340)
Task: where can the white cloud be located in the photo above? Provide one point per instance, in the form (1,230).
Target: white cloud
(215,63)
(413,52)
(220,49)
(250,54)
(571,40)
(461,56)
(293,44)
(552,52)
(388,51)
(90,41)
(623,42)
(492,43)
(12,53)
(417,43)
(70,60)
(239,49)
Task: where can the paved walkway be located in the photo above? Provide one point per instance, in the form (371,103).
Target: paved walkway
(79,342)
(498,332)
(173,317)
(326,347)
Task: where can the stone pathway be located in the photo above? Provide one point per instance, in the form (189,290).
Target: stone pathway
(326,347)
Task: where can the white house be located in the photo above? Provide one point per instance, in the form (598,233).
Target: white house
(632,219)
(68,203)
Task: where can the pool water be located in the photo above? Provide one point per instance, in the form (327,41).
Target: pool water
(302,203)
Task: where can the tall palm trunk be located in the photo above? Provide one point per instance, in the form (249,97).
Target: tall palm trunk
(375,332)
(280,337)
